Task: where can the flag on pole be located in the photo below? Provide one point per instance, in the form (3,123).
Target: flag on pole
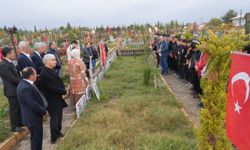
(103,53)
(238,103)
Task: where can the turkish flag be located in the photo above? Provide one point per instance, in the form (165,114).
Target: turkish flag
(67,43)
(238,103)
(103,53)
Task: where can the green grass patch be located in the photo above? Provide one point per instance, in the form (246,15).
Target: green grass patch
(131,115)
(4,117)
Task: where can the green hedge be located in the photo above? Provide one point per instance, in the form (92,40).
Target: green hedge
(212,133)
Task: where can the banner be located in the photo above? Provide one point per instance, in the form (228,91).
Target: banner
(238,103)
(80,105)
(103,53)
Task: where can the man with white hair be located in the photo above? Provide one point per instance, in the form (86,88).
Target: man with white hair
(37,55)
(24,59)
(53,89)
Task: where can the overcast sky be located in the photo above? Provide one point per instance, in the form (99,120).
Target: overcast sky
(54,13)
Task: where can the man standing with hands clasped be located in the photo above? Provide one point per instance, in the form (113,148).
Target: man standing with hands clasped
(11,79)
(33,106)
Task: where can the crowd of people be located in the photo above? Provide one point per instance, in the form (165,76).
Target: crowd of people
(33,86)
(184,58)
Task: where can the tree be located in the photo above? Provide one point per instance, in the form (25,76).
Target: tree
(214,24)
(68,26)
(230,14)
(35,30)
(5,29)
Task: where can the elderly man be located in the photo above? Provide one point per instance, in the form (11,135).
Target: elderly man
(24,59)
(37,55)
(53,89)
(52,50)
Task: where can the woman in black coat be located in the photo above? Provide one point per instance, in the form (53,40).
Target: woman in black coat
(53,88)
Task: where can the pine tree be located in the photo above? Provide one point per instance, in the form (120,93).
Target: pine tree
(69,26)
(230,14)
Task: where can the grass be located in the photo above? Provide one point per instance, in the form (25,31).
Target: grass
(4,117)
(131,115)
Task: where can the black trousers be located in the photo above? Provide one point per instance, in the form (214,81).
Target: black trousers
(15,112)
(36,137)
(196,83)
(158,59)
(55,123)
(186,73)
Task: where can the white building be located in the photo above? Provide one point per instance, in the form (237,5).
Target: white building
(238,20)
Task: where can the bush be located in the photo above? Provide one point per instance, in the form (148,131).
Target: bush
(212,133)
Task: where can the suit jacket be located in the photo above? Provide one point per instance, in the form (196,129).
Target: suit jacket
(53,88)
(23,62)
(86,53)
(163,48)
(32,106)
(10,77)
(37,61)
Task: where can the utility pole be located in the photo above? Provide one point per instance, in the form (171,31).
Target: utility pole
(240,18)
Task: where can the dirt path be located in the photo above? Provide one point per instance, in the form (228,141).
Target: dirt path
(183,94)
(68,118)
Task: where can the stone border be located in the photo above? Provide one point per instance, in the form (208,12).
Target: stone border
(182,109)
(13,140)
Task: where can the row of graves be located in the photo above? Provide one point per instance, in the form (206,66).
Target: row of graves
(92,89)
(133,49)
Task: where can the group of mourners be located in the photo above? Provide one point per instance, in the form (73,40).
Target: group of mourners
(33,86)
(184,58)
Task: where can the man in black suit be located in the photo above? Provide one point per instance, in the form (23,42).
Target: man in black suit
(24,59)
(52,50)
(37,56)
(53,88)
(11,79)
(33,106)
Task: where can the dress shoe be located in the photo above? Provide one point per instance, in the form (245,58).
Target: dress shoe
(61,135)
(18,129)
(196,96)
(53,141)
(200,105)
(194,93)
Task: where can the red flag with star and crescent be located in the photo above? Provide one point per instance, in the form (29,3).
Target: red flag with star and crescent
(238,101)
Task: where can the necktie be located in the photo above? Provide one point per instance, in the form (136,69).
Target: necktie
(42,96)
(13,66)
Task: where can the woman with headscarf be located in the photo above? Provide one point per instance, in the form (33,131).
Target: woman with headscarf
(78,78)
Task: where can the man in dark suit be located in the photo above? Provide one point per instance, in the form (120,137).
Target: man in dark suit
(33,106)
(52,50)
(53,88)
(24,59)
(37,56)
(11,79)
